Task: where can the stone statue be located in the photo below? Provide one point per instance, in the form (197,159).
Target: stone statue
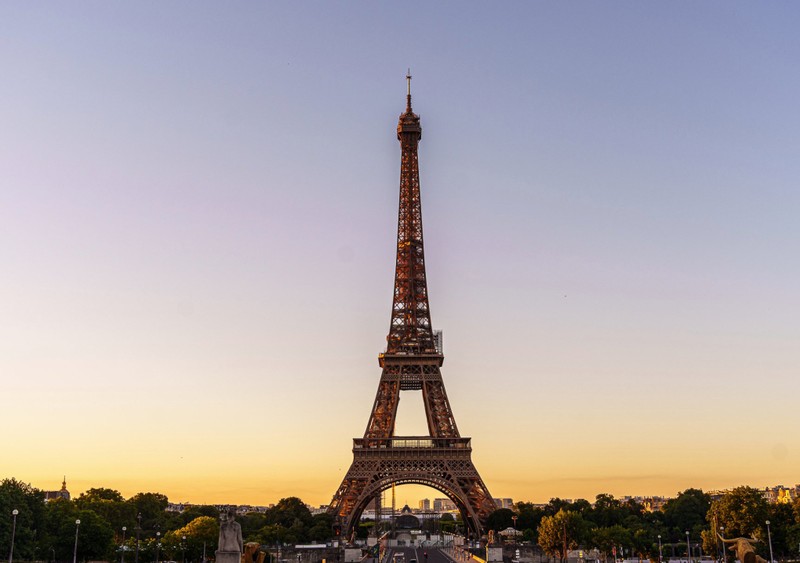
(744,549)
(230,539)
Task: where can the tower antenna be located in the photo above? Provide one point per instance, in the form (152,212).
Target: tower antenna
(408,97)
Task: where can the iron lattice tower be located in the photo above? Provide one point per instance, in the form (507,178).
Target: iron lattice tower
(443,459)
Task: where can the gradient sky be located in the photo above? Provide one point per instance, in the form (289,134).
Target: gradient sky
(198,215)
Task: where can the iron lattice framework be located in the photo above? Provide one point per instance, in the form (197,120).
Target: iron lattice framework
(443,459)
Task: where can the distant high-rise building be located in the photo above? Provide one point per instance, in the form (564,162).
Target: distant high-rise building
(425,504)
(504,503)
(443,505)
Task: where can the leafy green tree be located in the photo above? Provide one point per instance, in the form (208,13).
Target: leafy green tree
(95,536)
(251,523)
(606,538)
(560,533)
(686,512)
(202,532)
(554,505)
(607,511)
(530,517)
(179,519)
(29,502)
(500,519)
(581,506)
(447,523)
(742,511)
(321,527)
(152,507)
(109,505)
(781,517)
(287,511)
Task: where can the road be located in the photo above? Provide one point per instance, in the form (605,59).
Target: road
(434,555)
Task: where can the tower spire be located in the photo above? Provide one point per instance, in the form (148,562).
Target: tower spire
(408,96)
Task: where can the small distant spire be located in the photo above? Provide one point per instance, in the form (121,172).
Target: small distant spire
(64,484)
(408,97)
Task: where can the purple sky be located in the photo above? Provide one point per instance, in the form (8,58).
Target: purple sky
(198,212)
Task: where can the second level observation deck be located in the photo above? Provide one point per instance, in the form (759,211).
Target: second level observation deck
(418,445)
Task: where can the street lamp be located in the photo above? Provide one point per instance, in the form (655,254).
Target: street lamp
(688,547)
(659,549)
(13,532)
(721,535)
(183,547)
(769,537)
(123,544)
(514,519)
(138,530)
(75,549)
(158,544)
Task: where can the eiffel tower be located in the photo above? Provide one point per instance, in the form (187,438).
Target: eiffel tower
(442,459)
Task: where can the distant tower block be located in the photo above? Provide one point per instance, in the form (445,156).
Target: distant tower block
(442,459)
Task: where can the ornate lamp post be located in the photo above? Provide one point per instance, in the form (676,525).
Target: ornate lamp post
(183,548)
(722,534)
(123,544)
(660,556)
(688,547)
(75,549)
(13,533)
(158,544)
(138,530)
(769,537)
(514,519)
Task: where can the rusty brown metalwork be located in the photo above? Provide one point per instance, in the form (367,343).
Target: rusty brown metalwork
(442,459)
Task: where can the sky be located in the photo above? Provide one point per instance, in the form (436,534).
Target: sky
(198,207)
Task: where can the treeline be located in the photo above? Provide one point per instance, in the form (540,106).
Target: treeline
(109,523)
(626,529)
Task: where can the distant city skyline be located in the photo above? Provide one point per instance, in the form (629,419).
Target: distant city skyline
(198,209)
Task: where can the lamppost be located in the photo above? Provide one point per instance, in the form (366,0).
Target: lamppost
(138,530)
(13,532)
(660,557)
(123,544)
(721,535)
(769,538)
(75,549)
(158,544)
(514,519)
(688,547)
(183,548)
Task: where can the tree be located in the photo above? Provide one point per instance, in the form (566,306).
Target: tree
(201,532)
(95,536)
(686,512)
(287,511)
(560,533)
(29,502)
(781,517)
(321,528)
(554,505)
(152,507)
(109,505)
(607,511)
(742,511)
(447,523)
(500,519)
(607,538)
(530,517)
